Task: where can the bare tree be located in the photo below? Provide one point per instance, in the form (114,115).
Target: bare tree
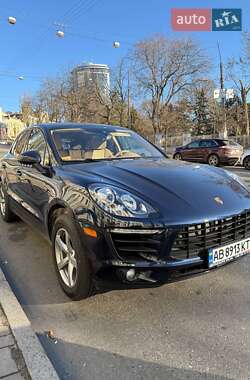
(112,101)
(48,101)
(120,89)
(26,110)
(239,74)
(163,68)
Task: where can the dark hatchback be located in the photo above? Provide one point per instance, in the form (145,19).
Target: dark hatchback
(117,210)
(210,151)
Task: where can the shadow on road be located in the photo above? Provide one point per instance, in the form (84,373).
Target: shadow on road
(99,364)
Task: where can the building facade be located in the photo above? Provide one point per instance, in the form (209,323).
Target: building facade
(10,125)
(91,76)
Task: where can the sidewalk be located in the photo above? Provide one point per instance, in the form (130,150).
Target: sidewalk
(12,364)
(22,356)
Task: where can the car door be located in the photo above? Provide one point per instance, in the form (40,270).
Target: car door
(38,182)
(191,152)
(11,169)
(204,148)
(207,147)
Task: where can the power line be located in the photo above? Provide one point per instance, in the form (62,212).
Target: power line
(70,10)
(88,6)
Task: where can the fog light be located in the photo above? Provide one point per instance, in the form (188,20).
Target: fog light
(130,275)
(90,232)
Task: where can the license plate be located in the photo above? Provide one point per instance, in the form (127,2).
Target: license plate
(222,255)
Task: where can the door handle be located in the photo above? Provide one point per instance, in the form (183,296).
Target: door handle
(19,173)
(3,166)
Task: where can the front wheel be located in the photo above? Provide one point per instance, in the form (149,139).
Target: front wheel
(177,156)
(246,163)
(71,263)
(213,160)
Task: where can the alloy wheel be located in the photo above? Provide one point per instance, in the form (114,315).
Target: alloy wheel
(66,258)
(177,156)
(247,163)
(213,160)
(2,202)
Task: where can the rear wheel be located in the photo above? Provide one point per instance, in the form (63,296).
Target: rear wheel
(71,263)
(246,163)
(178,156)
(6,213)
(213,160)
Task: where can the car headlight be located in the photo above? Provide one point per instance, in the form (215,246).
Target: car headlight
(236,178)
(119,202)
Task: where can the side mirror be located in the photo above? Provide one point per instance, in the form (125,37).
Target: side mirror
(31,157)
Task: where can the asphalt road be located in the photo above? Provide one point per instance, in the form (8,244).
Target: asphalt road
(195,329)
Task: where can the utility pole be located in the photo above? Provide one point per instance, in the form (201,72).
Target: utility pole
(223,95)
(129,106)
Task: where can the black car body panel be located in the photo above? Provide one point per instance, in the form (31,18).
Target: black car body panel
(169,240)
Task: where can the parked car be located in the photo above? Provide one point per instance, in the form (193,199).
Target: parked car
(245,159)
(116,209)
(214,152)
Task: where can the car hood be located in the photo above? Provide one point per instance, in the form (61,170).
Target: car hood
(179,191)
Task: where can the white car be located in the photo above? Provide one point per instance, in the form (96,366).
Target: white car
(245,159)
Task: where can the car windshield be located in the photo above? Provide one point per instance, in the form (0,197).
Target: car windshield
(79,144)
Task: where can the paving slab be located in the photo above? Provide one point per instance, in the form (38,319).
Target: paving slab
(6,341)
(7,363)
(16,376)
(4,330)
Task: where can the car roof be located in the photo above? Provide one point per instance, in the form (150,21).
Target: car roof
(210,139)
(53,126)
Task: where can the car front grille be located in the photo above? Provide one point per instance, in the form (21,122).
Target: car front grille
(138,244)
(191,241)
(196,239)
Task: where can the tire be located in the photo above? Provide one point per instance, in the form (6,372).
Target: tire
(213,160)
(5,210)
(246,163)
(177,156)
(75,275)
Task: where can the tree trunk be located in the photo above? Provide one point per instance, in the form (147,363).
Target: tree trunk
(246,117)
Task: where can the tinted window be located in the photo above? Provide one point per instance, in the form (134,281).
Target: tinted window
(228,143)
(208,143)
(20,144)
(194,144)
(37,142)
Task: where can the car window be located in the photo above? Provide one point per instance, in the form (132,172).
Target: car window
(20,144)
(228,143)
(207,143)
(37,142)
(98,144)
(194,144)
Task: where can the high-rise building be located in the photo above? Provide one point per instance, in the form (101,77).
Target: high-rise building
(92,76)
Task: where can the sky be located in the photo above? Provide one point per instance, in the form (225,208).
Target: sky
(31,49)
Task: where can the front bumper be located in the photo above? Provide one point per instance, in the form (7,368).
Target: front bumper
(156,255)
(230,159)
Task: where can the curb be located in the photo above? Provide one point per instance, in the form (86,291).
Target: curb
(37,362)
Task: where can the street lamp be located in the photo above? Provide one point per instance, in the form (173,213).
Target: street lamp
(20,78)
(60,33)
(116,44)
(12,20)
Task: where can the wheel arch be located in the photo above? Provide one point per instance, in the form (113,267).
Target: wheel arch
(57,208)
